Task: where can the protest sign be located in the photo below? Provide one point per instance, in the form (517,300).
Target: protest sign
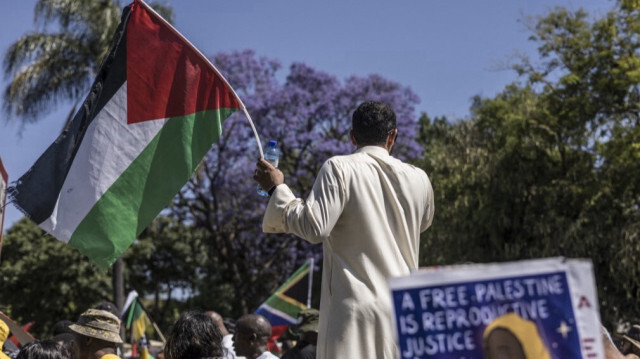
(538,309)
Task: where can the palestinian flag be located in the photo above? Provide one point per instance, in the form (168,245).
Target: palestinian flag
(154,110)
(282,307)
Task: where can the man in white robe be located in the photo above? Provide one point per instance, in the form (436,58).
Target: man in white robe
(368,210)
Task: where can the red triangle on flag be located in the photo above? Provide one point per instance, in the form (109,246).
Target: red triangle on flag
(166,76)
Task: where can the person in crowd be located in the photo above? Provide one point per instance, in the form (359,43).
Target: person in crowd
(63,335)
(109,307)
(113,309)
(68,341)
(44,349)
(61,327)
(4,334)
(307,328)
(194,336)
(230,324)
(251,336)
(368,210)
(97,332)
(631,341)
(610,349)
(227,336)
(287,339)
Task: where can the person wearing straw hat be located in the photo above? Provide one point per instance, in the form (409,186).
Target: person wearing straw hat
(96,334)
(307,328)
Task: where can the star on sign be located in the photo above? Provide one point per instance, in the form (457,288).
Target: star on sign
(564,329)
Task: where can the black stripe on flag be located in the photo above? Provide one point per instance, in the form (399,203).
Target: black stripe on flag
(36,192)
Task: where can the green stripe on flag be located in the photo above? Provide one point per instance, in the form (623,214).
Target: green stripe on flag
(283,303)
(295,277)
(284,306)
(135,311)
(147,185)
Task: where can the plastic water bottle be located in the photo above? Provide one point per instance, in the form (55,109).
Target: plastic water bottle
(272,155)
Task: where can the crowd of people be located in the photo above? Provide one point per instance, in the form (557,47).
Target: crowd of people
(206,334)
(367,209)
(622,346)
(195,335)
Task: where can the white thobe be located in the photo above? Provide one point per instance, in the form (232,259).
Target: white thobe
(368,210)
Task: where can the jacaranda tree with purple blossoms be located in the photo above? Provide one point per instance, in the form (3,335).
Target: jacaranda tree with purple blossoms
(309,113)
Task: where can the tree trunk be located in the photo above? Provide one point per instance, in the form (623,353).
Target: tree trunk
(118,291)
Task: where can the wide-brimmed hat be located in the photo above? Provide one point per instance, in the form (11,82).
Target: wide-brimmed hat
(99,324)
(633,335)
(308,320)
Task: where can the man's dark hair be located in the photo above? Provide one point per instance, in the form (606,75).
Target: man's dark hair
(44,349)
(372,122)
(194,335)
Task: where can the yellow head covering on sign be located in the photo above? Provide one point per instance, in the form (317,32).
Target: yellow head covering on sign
(524,331)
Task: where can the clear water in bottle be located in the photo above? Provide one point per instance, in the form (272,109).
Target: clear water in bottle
(272,155)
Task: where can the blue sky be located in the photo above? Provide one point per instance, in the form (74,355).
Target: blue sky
(446,50)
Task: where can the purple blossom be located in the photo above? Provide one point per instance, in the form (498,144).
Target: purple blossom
(309,114)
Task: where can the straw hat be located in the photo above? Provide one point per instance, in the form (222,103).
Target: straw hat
(308,320)
(99,324)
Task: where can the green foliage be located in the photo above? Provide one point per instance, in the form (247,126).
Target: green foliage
(550,168)
(166,263)
(45,280)
(58,62)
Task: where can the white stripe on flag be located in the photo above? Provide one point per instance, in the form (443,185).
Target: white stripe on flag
(278,313)
(109,146)
(130,298)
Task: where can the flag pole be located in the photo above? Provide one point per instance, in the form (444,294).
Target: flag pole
(177,33)
(155,326)
(153,322)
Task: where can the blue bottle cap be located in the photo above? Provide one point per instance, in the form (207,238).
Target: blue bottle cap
(273,143)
